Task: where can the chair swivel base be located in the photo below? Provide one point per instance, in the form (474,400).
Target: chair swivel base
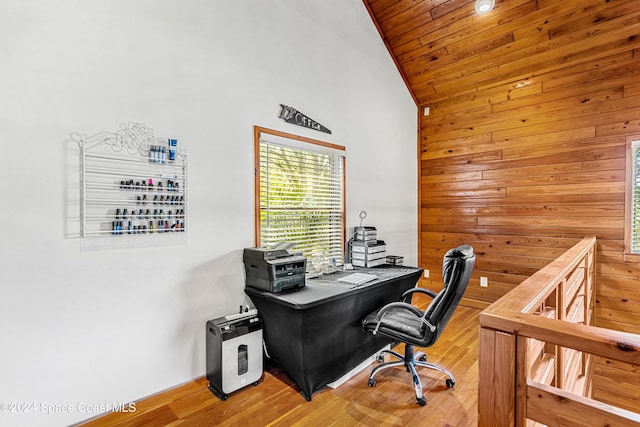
(410,360)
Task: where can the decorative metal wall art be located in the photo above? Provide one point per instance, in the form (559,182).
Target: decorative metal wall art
(293,116)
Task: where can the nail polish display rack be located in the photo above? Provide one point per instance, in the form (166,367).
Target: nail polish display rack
(133,189)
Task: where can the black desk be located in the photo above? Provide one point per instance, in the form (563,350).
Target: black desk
(315,334)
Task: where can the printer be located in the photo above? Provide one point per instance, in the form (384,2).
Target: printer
(274,269)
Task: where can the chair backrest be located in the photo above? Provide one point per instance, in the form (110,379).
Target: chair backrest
(456,272)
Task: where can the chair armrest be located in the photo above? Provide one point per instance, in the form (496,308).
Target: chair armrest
(408,307)
(404,305)
(411,291)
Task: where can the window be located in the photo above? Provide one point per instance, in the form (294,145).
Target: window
(632,200)
(300,194)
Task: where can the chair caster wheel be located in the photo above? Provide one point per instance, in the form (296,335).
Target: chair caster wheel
(372,382)
(450,383)
(423,358)
(381,358)
(422,401)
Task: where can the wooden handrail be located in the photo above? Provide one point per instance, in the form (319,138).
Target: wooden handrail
(550,403)
(622,346)
(531,292)
(536,369)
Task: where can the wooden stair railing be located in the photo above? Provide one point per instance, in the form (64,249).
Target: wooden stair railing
(537,345)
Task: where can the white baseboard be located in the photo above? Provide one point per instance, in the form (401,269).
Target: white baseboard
(352,373)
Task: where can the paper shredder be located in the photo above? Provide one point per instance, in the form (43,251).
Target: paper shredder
(234,353)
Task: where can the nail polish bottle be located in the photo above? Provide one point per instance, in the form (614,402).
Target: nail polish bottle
(172,149)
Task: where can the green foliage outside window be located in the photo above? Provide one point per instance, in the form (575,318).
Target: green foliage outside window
(301,200)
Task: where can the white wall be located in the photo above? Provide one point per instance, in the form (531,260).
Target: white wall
(118,325)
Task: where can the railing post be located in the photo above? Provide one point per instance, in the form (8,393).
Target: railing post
(496,398)
(521,375)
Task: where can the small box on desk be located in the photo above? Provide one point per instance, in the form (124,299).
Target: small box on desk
(395,260)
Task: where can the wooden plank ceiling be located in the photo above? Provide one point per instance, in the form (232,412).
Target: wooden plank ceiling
(443,47)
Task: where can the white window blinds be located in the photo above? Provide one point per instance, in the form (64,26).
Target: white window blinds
(301,197)
(635,198)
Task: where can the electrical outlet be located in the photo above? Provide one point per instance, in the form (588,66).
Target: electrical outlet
(426,274)
(484,282)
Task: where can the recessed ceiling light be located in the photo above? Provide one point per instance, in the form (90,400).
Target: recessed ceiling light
(485,6)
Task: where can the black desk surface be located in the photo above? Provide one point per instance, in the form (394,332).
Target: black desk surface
(314,334)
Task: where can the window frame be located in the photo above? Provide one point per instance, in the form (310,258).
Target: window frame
(629,255)
(258,131)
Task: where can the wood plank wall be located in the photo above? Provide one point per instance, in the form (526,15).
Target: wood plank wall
(523,151)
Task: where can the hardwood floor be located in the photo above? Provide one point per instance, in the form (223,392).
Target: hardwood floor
(276,401)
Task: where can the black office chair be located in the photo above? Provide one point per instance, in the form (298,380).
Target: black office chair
(404,322)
